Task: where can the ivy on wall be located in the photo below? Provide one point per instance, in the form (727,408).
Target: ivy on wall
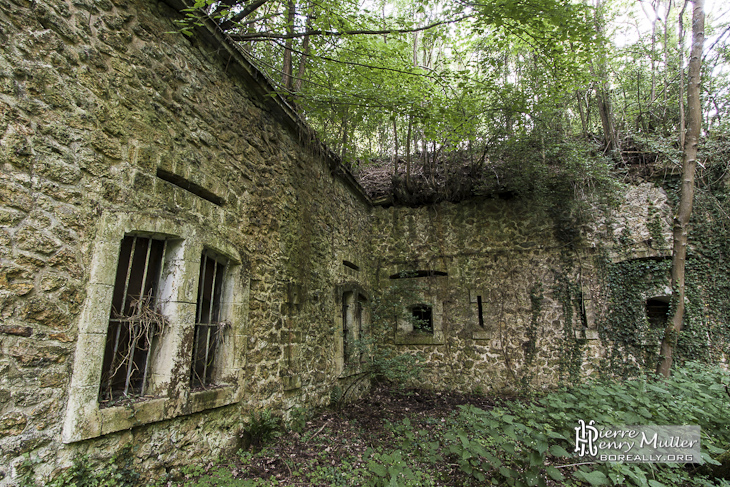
(706,333)
(567,292)
(632,340)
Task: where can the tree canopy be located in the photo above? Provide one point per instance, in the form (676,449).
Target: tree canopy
(466,86)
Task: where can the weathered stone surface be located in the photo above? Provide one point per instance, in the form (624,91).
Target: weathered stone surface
(96,97)
(12,424)
(22,331)
(29,355)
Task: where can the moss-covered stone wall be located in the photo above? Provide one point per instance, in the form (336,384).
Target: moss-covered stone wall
(105,117)
(542,299)
(111,126)
(496,255)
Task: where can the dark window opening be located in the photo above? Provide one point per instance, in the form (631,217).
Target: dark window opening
(208,325)
(657,312)
(349,264)
(411,274)
(422,317)
(134,321)
(481,312)
(346,328)
(190,187)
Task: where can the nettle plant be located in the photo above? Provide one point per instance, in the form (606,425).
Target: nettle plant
(527,443)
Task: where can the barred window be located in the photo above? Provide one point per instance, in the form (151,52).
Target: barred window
(208,324)
(135,321)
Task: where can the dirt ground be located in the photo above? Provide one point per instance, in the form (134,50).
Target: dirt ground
(314,453)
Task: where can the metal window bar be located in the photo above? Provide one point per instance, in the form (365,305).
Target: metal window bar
(345,330)
(129,340)
(358,326)
(207,321)
(480,310)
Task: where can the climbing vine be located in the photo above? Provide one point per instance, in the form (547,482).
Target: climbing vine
(632,343)
(629,336)
(568,293)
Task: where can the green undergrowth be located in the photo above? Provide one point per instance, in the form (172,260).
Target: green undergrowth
(527,442)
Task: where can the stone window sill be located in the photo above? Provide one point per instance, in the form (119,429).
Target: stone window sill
(481,335)
(97,421)
(212,398)
(586,334)
(416,338)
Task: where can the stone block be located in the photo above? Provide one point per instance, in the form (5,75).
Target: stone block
(12,424)
(291,382)
(45,311)
(213,398)
(27,354)
(481,335)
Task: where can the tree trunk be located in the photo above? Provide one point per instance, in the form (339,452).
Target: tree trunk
(395,139)
(287,66)
(681,75)
(689,163)
(583,121)
(666,64)
(305,55)
(603,96)
(408,154)
(606,112)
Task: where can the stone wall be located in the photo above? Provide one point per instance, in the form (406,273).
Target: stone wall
(497,255)
(540,297)
(112,126)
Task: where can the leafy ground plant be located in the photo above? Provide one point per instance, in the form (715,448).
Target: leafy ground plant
(396,437)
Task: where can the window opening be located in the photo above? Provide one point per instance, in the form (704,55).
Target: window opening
(134,320)
(349,264)
(422,316)
(480,310)
(421,273)
(353,326)
(583,314)
(657,312)
(346,327)
(208,325)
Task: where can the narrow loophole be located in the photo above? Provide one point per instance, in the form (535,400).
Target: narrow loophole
(190,187)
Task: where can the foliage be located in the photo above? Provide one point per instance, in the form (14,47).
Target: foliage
(631,339)
(568,294)
(510,87)
(633,342)
(528,442)
(524,443)
(298,417)
(262,428)
(115,472)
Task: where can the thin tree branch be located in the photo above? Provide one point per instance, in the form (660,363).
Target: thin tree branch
(247,10)
(368,66)
(272,35)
